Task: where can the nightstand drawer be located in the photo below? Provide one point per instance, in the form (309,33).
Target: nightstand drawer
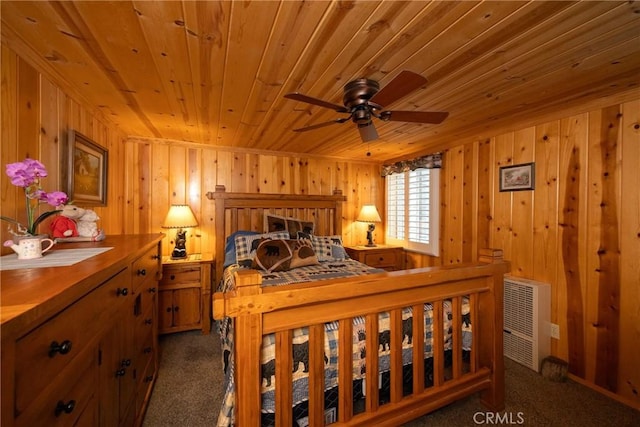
(381,259)
(381,256)
(180,274)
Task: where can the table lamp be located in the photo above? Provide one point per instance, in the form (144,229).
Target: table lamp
(369,214)
(180,217)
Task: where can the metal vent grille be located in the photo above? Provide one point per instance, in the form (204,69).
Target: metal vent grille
(526,321)
(518,313)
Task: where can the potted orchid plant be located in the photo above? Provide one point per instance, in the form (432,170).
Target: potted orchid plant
(27,174)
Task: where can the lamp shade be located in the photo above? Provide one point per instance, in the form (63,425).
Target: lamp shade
(369,214)
(180,216)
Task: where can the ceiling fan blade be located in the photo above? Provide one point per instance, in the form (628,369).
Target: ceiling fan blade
(321,125)
(296,96)
(434,117)
(368,132)
(402,85)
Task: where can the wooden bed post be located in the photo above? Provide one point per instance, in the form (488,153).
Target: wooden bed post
(491,320)
(248,344)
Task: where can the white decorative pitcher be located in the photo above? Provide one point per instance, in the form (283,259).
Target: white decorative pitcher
(31,247)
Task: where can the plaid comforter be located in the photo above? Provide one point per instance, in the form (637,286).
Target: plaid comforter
(326,270)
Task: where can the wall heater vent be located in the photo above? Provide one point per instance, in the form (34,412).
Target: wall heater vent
(527,307)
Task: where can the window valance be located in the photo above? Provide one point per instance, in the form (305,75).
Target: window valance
(432,161)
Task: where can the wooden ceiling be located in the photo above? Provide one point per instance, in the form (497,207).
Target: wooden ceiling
(216,72)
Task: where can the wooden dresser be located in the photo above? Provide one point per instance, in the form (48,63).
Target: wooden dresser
(79,343)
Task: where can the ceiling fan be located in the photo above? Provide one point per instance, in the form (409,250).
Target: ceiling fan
(363,100)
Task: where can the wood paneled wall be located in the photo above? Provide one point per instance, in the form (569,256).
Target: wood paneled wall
(160,174)
(35,120)
(579,230)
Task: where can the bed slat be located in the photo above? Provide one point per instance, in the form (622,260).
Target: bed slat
(283,377)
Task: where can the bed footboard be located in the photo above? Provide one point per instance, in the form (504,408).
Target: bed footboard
(281,310)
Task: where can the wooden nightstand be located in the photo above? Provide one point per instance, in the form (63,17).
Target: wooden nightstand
(184,297)
(381,256)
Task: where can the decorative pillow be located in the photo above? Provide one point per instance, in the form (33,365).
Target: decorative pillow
(303,254)
(230,246)
(328,248)
(272,255)
(246,245)
(274,222)
(282,255)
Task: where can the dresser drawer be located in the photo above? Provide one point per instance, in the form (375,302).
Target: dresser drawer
(381,259)
(147,266)
(47,350)
(180,274)
(69,400)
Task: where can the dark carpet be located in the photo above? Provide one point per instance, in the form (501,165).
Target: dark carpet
(189,389)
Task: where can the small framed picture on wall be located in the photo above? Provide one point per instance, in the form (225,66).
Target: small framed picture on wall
(518,177)
(87,171)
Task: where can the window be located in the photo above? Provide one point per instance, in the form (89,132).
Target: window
(413,207)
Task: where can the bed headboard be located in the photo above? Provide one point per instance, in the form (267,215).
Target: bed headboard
(244,211)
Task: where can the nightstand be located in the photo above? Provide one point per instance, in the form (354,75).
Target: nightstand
(184,297)
(381,256)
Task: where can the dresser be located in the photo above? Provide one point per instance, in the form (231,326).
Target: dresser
(184,298)
(381,256)
(79,342)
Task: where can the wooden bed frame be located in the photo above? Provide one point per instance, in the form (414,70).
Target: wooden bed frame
(280,310)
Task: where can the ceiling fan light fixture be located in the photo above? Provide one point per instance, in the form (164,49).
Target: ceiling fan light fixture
(361,115)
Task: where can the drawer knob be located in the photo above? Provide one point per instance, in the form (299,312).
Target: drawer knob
(172,277)
(148,378)
(152,290)
(142,272)
(122,291)
(121,372)
(63,348)
(67,408)
(147,350)
(155,256)
(125,363)
(148,321)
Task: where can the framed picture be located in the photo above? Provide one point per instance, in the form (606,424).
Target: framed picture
(518,177)
(87,171)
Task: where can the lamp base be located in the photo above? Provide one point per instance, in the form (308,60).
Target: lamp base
(179,254)
(180,251)
(370,243)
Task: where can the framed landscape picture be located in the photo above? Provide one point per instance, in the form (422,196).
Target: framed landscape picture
(518,177)
(87,171)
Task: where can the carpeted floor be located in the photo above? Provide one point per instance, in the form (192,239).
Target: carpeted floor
(189,389)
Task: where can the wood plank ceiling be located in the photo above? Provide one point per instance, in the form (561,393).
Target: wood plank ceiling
(214,72)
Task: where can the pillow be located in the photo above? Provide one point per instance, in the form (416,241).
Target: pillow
(328,248)
(246,245)
(282,255)
(230,246)
(274,222)
(272,255)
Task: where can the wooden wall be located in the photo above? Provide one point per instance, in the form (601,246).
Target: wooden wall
(160,174)
(579,230)
(36,116)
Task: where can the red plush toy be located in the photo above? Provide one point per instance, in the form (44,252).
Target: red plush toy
(61,226)
(64,225)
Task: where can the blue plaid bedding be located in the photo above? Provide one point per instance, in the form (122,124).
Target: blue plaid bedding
(326,270)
